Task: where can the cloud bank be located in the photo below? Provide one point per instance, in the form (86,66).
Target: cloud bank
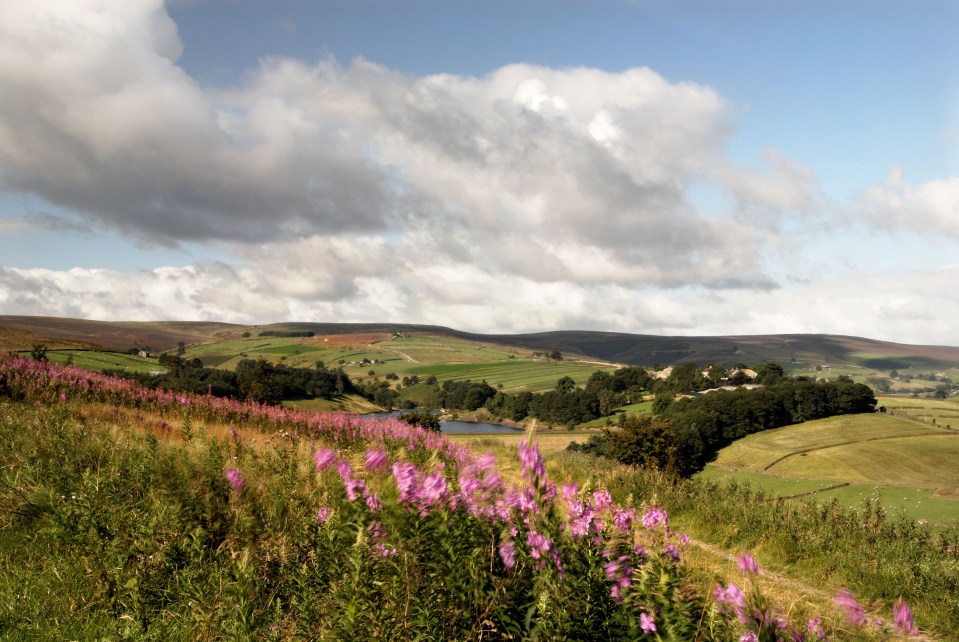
(528,198)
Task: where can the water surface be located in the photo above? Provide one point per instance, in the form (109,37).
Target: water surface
(452,426)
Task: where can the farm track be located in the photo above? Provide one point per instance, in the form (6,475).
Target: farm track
(849,443)
(395,351)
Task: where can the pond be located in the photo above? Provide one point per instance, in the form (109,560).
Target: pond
(453,426)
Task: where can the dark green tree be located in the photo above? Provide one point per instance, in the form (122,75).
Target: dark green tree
(644,441)
(768,373)
(423,419)
(565,384)
(258,381)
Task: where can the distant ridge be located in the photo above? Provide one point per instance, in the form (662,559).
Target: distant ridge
(620,347)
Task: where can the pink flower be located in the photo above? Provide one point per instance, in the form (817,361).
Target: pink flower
(814,627)
(747,564)
(507,552)
(602,500)
(903,617)
(376,459)
(647,623)
(323,514)
(433,489)
(324,458)
(623,519)
(732,597)
(656,517)
(671,551)
(235,478)
(538,543)
(854,612)
(533,465)
(405,475)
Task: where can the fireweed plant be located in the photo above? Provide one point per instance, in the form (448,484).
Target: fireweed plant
(390,532)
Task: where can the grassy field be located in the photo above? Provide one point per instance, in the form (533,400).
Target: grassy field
(514,375)
(345,403)
(907,462)
(940,412)
(631,409)
(446,358)
(92,360)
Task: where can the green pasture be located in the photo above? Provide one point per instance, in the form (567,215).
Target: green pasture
(762,449)
(427,349)
(289,351)
(446,358)
(940,412)
(631,409)
(914,503)
(418,393)
(515,375)
(403,356)
(96,361)
(909,463)
(856,373)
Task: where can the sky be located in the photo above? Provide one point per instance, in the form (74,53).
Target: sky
(669,167)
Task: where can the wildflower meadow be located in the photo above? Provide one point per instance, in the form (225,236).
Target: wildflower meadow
(128,513)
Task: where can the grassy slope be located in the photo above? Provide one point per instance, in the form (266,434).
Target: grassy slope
(444,357)
(562,467)
(800,351)
(17,340)
(907,462)
(95,360)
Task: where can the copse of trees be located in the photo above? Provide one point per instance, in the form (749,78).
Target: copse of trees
(257,380)
(423,419)
(462,395)
(683,435)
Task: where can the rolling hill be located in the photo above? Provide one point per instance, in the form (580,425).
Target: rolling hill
(633,349)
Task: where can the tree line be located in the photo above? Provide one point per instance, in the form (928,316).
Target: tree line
(256,380)
(681,436)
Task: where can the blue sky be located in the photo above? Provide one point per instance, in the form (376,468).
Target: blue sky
(652,167)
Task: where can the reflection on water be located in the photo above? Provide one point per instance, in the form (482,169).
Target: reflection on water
(452,426)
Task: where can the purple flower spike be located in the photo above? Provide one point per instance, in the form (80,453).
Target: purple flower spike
(732,597)
(854,612)
(376,460)
(235,478)
(532,461)
(324,458)
(814,628)
(903,617)
(747,564)
(656,518)
(323,514)
(507,552)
